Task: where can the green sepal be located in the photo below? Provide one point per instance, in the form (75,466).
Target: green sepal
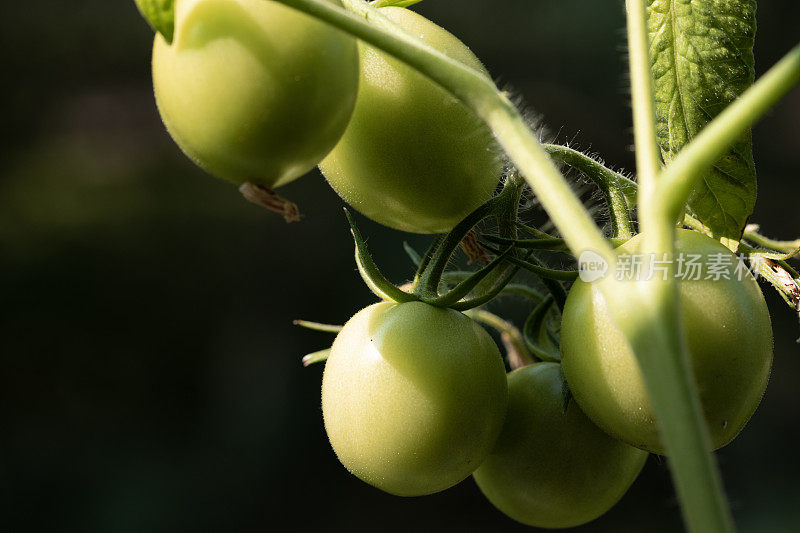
(512,289)
(316,326)
(316,357)
(490,295)
(395,3)
(536,334)
(373,277)
(431,271)
(465,287)
(566,392)
(542,272)
(160,14)
(412,254)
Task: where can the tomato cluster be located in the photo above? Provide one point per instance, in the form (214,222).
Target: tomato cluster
(415,397)
(254,91)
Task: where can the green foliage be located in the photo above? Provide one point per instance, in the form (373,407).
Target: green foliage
(702,60)
(160,14)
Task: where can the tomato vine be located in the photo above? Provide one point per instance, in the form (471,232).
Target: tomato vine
(678,167)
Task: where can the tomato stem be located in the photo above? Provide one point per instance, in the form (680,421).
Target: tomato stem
(517,352)
(609,182)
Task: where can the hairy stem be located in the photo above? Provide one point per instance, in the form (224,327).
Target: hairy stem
(606,180)
(479,94)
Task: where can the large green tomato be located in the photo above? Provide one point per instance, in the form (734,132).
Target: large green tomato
(729,336)
(252,90)
(413,158)
(550,468)
(413,397)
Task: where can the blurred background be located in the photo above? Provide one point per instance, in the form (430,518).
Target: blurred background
(151,377)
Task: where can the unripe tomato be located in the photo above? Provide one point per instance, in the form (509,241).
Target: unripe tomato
(252,90)
(729,336)
(413,397)
(413,157)
(550,468)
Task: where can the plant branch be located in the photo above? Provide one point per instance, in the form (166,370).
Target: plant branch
(648,158)
(606,180)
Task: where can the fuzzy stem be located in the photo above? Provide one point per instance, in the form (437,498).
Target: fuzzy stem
(479,94)
(606,180)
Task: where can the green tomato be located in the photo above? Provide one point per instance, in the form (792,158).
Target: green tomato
(729,337)
(551,468)
(413,397)
(413,157)
(252,90)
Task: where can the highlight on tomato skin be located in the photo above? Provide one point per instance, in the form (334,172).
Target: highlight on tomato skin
(252,90)
(413,397)
(552,468)
(729,335)
(413,157)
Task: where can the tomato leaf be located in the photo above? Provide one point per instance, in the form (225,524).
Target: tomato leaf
(160,14)
(702,60)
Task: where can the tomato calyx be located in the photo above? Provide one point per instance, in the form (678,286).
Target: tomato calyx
(269,199)
(160,14)
(537,333)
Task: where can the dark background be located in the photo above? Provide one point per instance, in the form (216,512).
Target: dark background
(150,376)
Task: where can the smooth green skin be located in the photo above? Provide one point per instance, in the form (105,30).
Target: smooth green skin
(413,157)
(549,468)
(252,90)
(729,337)
(413,397)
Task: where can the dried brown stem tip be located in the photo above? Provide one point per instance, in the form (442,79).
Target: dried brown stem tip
(473,249)
(267,198)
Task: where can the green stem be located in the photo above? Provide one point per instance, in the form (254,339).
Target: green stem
(428,282)
(550,244)
(786,247)
(516,349)
(648,158)
(654,329)
(606,180)
(480,95)
(696,157)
